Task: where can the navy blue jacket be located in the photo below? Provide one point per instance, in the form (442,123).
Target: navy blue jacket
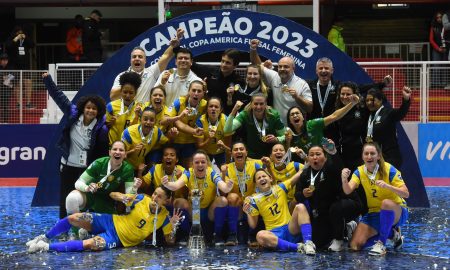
(99,136)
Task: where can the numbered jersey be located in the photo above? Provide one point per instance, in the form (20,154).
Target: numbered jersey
(132,137)
(273,208)
(285,174)
(211,148)
(375,194)
(177,107)
(243,180)
(124,115)
(207,185)
(134,227)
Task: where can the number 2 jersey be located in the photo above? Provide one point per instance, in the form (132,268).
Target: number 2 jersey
(375,194)
(134,227)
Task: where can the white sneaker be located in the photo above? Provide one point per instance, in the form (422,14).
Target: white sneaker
(309,248)
(39,247)
(447,87)
(378,249)
(397,239)
(37,239)
(350,228)
(336,245)
(83,234)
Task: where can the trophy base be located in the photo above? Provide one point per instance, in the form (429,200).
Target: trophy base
(196,242)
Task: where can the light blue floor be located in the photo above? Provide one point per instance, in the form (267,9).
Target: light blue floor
(426,245)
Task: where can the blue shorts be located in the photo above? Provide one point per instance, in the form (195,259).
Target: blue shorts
(283,232)
(373,219)
(103,226)
(185,150)
(218,158)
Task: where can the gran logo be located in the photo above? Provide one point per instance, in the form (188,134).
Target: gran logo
(8,154)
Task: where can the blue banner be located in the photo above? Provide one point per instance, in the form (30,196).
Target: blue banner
(434,150)
(218,30)
(23,149)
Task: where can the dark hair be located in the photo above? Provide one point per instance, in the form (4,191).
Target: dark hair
(96,11)
(170,146)
(3,56)
(198,82)
(434,23)
(131,78)
(260,170)
(202,152)
(376,94)
(216,98)
(160,87)
(118,141)
(148,109)
(237,142)
(289,122)
(169,193)
(97,100)
(184,50)
(233,54)
(348,84)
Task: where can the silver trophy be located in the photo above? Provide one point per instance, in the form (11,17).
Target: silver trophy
(196,240)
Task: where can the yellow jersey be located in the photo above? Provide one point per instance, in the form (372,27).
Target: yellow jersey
(131,136)
(375,194)
(207,185)
(156,173)
(177,107)
(125,117)
(272,207)
(285,174)
(211,148)
(134,227)
(243,180)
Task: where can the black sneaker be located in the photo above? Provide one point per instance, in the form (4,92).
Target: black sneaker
(231,240)
(218,241)
(397,239)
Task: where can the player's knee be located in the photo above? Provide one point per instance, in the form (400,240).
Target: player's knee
(98,243)
(221,201)
(300,208)
(233,199)
(74,202)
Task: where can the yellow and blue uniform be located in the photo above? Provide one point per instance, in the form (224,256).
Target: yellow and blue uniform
(375,194)
(131,137)
(251,165)
(207,185)
(177,107)
(133,228)
(156,173)
(211,148)
(124,119)
(274,210)
(285,174)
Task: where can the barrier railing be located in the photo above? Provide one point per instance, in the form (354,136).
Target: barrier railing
(400,51)
(430,82)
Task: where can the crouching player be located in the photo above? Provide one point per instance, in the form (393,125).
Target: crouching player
(112,231)
(282,231)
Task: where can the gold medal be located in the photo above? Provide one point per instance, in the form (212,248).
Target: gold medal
(237,87)
(110,178)
(264,138)
(213,128)
(99,184)
(369,139)
(292,149)
(312,187)
(285,88)
(171,71)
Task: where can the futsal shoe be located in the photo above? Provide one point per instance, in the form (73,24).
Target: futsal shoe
(218,241)
(308,248)
(231,240)
(39,247)
(397,239)
(350,228)
(378,249)
(336,245)
(37,239)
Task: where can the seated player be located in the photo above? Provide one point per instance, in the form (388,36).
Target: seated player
(113,231)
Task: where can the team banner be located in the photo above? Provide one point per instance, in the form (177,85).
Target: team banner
(434,150)
(218,30)
(23,149)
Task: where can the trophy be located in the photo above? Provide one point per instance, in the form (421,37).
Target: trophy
(196,241)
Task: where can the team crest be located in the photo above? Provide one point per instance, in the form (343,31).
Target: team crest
(357,114)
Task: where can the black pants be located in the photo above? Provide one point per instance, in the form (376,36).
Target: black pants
(331,225)
(69,175)
(5,96)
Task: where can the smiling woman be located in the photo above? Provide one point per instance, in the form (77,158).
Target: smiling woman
(84,137)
